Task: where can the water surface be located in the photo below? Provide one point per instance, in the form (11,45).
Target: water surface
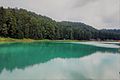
(58,61)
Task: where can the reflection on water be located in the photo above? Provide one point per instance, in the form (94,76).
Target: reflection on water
(48,61)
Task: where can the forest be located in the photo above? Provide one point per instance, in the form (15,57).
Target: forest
(20,23)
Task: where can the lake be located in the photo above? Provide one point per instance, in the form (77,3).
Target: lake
(59,61)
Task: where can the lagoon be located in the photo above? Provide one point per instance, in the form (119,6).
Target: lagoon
(59,61)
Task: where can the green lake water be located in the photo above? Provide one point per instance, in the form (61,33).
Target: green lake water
(58,61)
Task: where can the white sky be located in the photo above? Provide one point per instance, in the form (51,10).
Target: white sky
(97,13)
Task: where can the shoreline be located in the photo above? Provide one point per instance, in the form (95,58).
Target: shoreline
(7,40)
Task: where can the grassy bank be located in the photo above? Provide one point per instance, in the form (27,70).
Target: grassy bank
(4,40)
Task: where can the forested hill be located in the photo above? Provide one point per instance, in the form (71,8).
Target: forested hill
(20,23)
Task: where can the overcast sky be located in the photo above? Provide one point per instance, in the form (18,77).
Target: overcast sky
(97,13)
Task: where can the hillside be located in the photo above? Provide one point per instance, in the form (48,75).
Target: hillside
(20,23)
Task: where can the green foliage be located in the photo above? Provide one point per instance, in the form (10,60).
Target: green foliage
(20,23)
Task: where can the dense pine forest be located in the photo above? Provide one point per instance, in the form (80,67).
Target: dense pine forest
(20,23)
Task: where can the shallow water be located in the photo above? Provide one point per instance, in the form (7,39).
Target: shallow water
(58,61)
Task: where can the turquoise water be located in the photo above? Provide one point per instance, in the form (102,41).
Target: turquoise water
(58,61)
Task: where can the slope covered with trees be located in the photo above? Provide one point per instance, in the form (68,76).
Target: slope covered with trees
(20,23)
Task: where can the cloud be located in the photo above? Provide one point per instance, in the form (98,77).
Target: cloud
(97,13)
(81,3)
(112,20)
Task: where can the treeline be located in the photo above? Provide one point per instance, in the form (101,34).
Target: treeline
(20,23)
(117,31)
